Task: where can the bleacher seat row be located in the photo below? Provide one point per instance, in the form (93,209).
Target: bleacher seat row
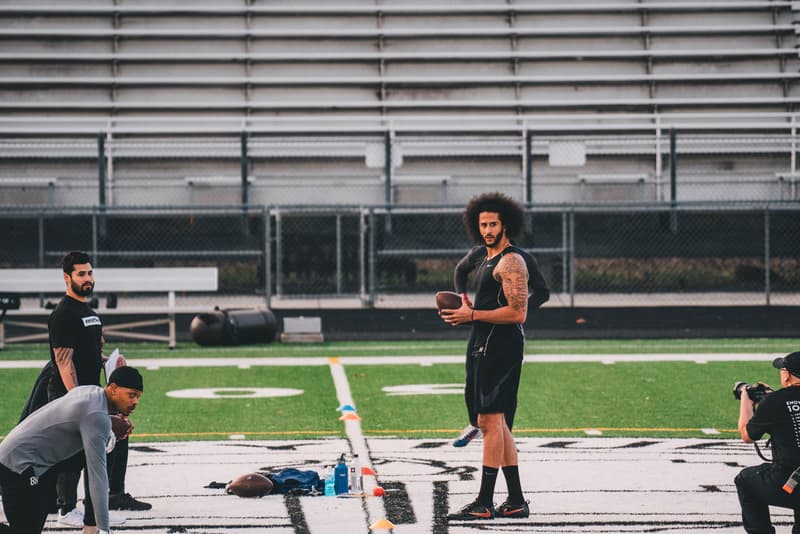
(140,74)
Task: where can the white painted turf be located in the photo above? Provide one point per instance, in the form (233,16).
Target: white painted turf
(575,485)
(601,485)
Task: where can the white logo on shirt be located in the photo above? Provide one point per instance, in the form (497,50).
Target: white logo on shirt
(92,320)
(794,414)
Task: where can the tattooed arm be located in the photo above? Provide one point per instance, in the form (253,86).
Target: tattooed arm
(512,273)
(66,367)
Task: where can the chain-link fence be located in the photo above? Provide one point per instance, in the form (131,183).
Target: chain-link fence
(369,256)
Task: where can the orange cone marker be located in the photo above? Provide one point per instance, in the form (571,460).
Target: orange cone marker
(382,524)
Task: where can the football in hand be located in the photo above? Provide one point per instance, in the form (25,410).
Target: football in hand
(250,485)
(448,300)
(121,426)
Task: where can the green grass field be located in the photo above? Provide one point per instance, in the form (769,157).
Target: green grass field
(656,398)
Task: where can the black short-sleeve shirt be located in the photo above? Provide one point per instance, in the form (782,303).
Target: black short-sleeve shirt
(778,415)
(73,324)
(538,293)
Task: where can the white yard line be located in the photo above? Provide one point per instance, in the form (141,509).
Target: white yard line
(156,363)
(373,507)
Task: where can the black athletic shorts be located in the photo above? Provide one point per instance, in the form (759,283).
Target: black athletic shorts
(494,367)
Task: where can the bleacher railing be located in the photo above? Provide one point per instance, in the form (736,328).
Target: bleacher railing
(558,158)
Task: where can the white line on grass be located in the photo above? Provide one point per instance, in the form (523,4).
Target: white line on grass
(155,363)
(540,344)
(373,507)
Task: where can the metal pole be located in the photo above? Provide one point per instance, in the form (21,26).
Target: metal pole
(338,254)
(528,167)
(109,152)
(387,154)
(793,153)
(673,181)
(387,144)
(659,163)
(101,169)
(41,240)
(571,259)
(564,252)
(244,168)
(95,259)
(362,252)
(267,257)
(793,160)
(371,231)
(767,259)
(101,187)
(278,254)
(41,253)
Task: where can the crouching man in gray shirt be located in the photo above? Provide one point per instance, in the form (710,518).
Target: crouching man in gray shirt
(33,452)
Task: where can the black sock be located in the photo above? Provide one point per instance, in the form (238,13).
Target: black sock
(488,479)
(511,472)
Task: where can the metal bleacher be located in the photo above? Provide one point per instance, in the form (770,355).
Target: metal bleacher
(457,85)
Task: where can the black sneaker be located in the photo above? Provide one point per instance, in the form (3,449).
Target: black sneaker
(474,510)
(508,509)
(124,501)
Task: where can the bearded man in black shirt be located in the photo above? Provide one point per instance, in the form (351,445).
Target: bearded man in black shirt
(75,330)
(778,415)
(538,294)
(495,350)
(76,343)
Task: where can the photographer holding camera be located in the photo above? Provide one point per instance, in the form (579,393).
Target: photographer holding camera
(778,415)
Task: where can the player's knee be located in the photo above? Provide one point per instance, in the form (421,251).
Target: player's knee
(742,482)
(491,422)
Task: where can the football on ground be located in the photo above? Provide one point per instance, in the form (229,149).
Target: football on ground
(448,300)
(250,485)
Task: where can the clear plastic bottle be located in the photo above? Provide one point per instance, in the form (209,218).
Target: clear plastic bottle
(355,475)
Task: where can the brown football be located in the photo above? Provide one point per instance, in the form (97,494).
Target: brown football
(250,485)
(121,426)
(448,300)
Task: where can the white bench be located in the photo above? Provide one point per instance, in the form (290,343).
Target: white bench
(613,178)
(407,32)
(427,56)
(44,181)
(111,280)
(333,8)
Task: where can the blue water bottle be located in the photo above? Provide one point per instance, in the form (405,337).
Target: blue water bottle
(340,476)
